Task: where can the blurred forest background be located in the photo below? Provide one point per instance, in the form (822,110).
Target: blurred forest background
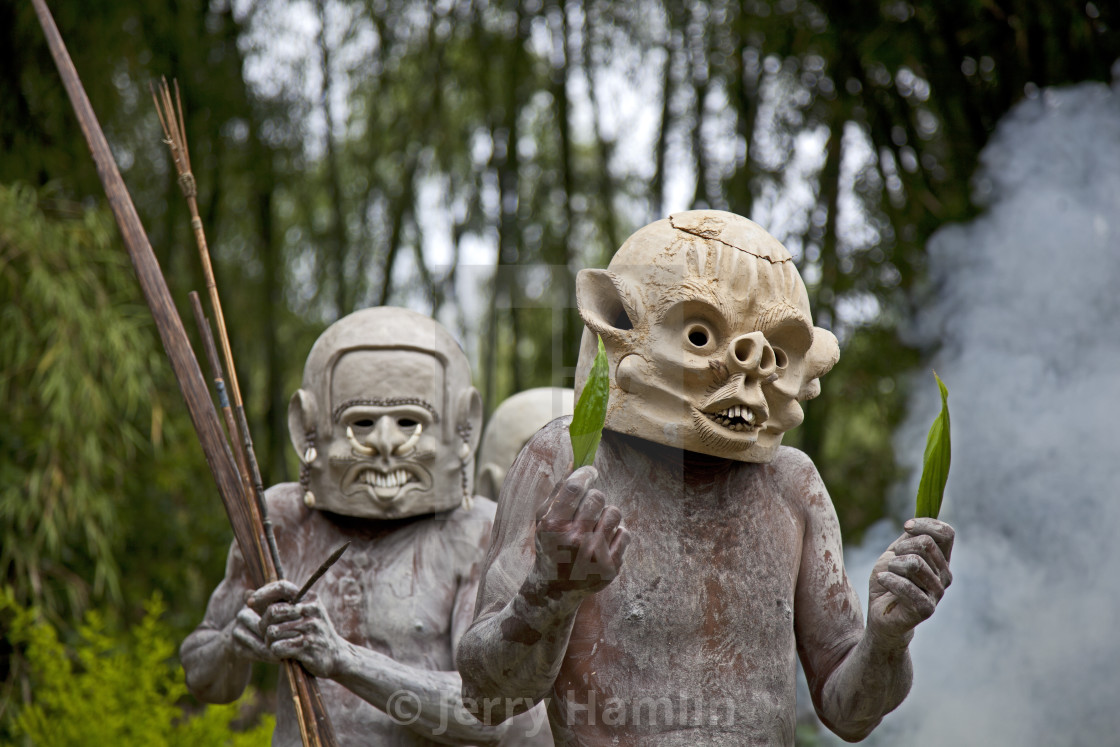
(464,159)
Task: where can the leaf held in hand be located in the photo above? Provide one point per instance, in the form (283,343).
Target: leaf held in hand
(935,470)
(591,412)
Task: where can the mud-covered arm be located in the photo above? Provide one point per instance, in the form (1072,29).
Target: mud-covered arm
(217,657)
(422,700)
(425,701)
(555,542)
(856,673)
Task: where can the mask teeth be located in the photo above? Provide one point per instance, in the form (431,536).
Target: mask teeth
(735,418)
(394,479)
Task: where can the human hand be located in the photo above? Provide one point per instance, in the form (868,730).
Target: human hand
(245,639)
(909,579)
(297,630)
(580,540)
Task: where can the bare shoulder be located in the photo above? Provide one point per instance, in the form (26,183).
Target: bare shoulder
(475,522)
(285,505)
(794,463)
(799,480)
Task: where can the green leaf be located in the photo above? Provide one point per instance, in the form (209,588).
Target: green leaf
(935,470)
(591,412)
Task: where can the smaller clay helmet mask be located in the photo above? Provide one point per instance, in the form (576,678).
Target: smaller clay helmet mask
(386,422)
(510,427)
(709,339)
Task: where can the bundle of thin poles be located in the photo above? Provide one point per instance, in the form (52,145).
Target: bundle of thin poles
(231,460)
(248,511)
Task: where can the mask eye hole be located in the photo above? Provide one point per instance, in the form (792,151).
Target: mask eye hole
(698,336)
(406,422)
(364,423)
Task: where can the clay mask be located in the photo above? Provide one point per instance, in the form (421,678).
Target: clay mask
(387,421)
(708,334)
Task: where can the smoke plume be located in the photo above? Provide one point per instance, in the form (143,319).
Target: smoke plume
(1025,648)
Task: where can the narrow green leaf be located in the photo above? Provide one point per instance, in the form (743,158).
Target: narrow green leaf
(591,412)
(935,470)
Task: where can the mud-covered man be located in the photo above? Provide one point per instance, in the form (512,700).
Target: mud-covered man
(386,425)
(682,627)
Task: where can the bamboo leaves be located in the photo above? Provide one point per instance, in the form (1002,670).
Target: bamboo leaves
(935,469)
(591,412)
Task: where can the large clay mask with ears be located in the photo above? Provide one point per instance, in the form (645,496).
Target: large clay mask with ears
(387,422)
(709,339)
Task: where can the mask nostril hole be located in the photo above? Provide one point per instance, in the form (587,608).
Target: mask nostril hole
(742,350)
(768,361)
(780,358)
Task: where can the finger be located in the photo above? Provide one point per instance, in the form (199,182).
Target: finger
(619,543)
(924,546)
(277,591)
(562,507)
(609,520)
(593,559)
(288,648)
(590,509)
(943,534)
(248,618)
(918,571)
(908,594)
(278,613)
(310,610)
(284,631)
(250,644)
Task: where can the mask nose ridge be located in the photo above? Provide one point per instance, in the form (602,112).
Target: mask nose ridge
(386,436)
(752,355)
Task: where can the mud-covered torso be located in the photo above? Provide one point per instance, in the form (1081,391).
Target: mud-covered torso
(393,591)
(693,642)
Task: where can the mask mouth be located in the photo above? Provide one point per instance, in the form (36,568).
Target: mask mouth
(384,485)
(737,418)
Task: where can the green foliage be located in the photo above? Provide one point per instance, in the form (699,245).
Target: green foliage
(74,357)
(586,428)
(97,451)
(935,462)
(123,689)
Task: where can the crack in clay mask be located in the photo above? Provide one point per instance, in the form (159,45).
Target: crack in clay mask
(709,336)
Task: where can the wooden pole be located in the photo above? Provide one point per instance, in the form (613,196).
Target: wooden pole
(315,725)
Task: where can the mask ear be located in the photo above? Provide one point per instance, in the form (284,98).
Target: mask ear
(605,303)
(303,412)
(488,481)
(469,416)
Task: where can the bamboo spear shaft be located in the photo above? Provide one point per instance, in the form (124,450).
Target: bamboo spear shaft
(315,728)
(175,135)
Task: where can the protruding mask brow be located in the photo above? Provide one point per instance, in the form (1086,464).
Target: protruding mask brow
(783,314)
(695,292)
(390,402)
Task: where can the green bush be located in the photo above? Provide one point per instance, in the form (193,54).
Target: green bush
(123,689)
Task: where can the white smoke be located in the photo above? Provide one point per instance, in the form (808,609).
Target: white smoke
(1025,647)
